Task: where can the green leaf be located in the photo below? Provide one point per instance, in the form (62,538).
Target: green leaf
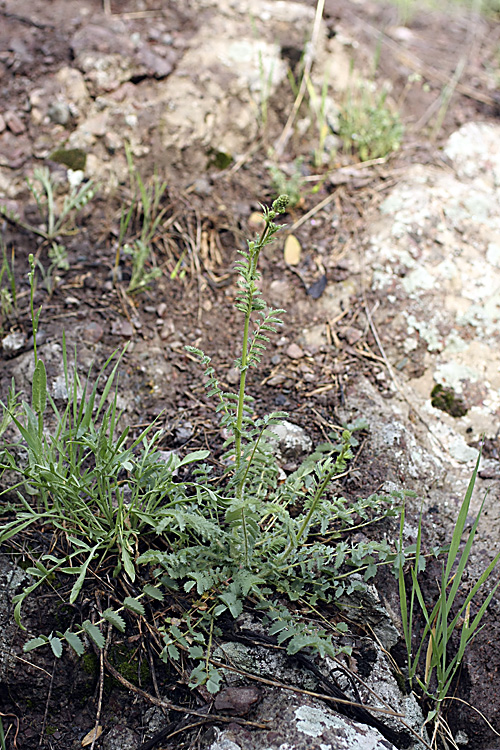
(235,606)
(115,619)
(194,457)
(17,614)
(56,646)
(173,651)
(35,643)
(81,577)
(39,388)
(94,633)
(153,592)
(128,564)
(196,652)
(134,605)
(214,680)
(75,642)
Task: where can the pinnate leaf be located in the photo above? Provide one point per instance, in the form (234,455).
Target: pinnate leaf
(94,633)
(75,642)
(115,619)
(134,605)
(153,592)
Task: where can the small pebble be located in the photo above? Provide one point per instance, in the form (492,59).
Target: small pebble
(93,332)
(184,432)
(161,309)
(122,327)
(233,376)
(13,342)
(294,351)
(14,123)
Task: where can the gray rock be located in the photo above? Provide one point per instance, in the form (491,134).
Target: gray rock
(59,112)
(299,723)
(291,441)
(363,605)
(13,342)
(120,738)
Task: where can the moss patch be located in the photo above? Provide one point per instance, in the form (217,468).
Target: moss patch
(446,399)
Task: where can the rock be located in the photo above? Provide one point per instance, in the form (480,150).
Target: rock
(237,701)
(120,738)
(59,389)
(92,332)
(291,441)
(122,327)
(113,142)
(184,432)
(299,723)
(2,124)
(364,606)
(316,290)
(352,335)
(14,150)
(294,351)
(13,342)
(14,122)
(108,56)
(161,309)
(233,376)
(314,339)
(58,111)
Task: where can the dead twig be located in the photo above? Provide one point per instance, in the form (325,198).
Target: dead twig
(308,61)
(47,704)
(16,719)
(203,713)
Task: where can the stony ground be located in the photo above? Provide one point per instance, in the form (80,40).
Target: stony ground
(393,289)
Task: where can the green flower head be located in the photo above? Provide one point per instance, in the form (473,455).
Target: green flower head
(280,204)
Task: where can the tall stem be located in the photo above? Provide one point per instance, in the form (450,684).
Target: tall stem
(244,355)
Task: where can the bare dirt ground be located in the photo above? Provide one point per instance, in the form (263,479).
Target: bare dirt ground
(208,217)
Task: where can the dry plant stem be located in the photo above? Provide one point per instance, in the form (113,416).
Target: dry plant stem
(308,61)
(329,698)
(14,741)
(47,704)
(101,684)
(454,698)
(313,211)
(302,691)
(181,709)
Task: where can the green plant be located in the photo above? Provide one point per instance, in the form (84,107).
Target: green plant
(288,184)
(243,538)
(43,189)
(145,208)
(8,294)
(450,615)
(368,125)
(58,258)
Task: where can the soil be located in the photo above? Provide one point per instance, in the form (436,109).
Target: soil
(209,215)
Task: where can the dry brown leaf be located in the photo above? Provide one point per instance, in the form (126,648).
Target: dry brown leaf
(293,250)
(89,737)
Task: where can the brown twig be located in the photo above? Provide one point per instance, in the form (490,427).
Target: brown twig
(47,703)
(16,718)
(203,713)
